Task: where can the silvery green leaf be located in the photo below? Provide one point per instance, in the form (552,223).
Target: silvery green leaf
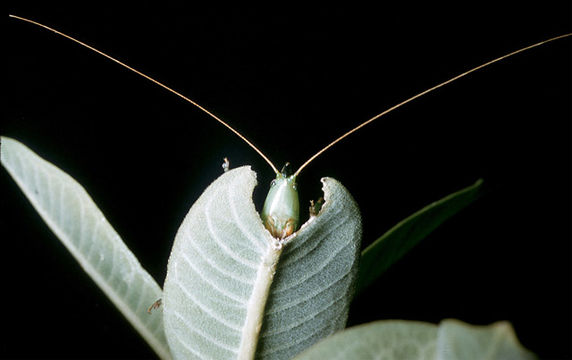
(387,339)
(233,291)
(412,340)
(72,215)
(458,340)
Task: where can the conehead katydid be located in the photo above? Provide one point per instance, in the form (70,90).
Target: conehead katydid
(285,230)
(281,210)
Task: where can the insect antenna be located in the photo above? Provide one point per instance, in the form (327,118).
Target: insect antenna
(425,92)
(157,83)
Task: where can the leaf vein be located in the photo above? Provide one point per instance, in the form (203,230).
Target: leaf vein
(308,275)
(213,314)
(312,295)
(203,335)
(298,340)
(212,264)
(221,244)
(188,348)
(234,214)
(211,283)
(290,326)
(303,250)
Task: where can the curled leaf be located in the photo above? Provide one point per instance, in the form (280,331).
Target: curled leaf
(233,292)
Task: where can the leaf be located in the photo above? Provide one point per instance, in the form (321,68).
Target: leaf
(401,238)
(387,339)
(458,340)
(232,291)
(410,340)
(72,215)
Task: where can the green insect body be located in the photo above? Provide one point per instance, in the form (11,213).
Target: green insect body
(281,210)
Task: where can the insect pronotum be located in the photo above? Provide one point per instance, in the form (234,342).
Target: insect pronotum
(281,214)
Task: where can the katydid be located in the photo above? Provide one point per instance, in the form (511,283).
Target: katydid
(280,214)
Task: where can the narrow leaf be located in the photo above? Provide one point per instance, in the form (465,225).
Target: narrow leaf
(401,238)
(411,340)
(72,215)
(233,291)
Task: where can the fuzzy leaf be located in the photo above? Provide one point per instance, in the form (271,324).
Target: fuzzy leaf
(458,340)
(232,292)
(411,340)
(72,215)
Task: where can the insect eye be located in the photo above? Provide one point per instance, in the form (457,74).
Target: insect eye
(272,183)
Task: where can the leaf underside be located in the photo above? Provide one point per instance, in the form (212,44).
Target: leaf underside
(411,340)
(233,292)
(402,237)
(227,278)
(72,215)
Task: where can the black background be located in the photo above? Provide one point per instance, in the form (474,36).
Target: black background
(292,79)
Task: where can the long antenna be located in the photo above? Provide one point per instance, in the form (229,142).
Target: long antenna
(156,82)
(421,94)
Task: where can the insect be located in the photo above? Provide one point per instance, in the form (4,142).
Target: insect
(287,231)
(280,213)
